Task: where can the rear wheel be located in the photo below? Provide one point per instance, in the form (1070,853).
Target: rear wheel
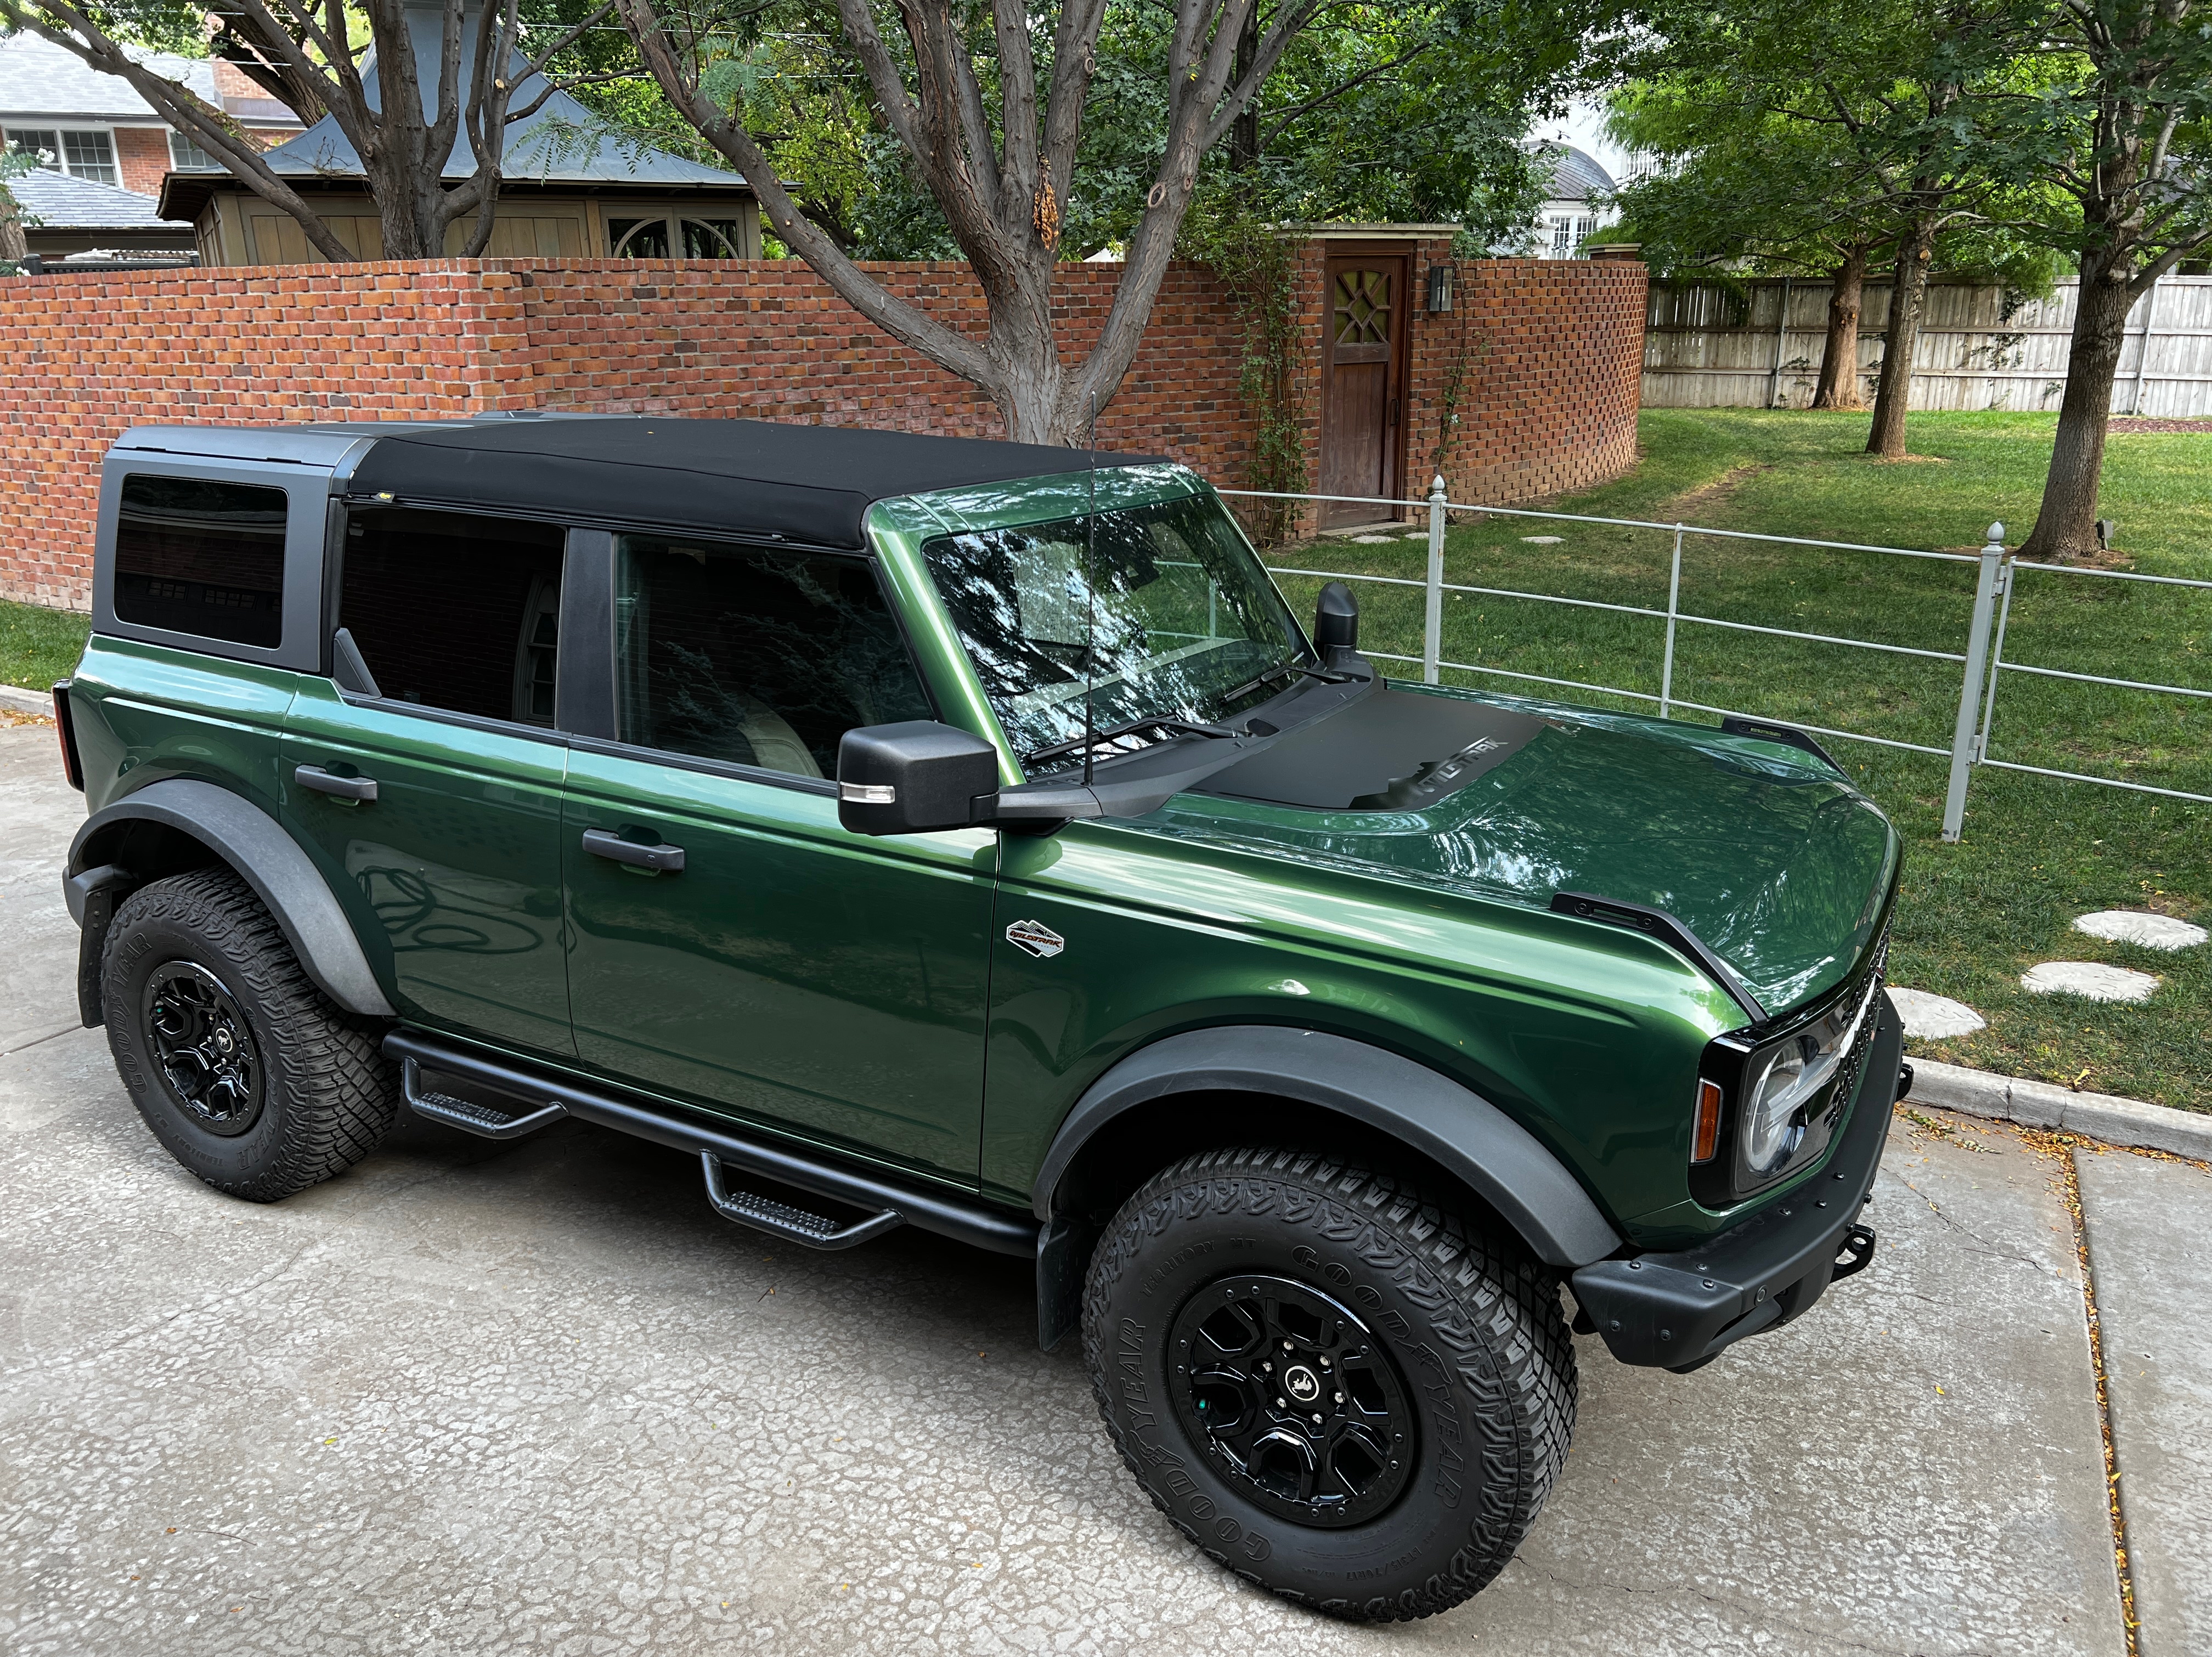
(1344,1394)
(251,1077)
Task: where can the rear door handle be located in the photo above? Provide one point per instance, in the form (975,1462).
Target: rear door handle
(315,779)
(661,859)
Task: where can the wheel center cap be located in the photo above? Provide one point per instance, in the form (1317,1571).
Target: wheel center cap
(1300,1383)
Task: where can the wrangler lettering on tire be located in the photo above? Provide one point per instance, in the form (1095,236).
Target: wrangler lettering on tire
(1363,1409)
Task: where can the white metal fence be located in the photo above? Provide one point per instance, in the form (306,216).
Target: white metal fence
(1981,660)
(1759,345)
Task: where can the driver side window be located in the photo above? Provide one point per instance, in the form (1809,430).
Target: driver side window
(754,656)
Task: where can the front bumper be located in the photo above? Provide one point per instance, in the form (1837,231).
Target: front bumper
(1676,1311)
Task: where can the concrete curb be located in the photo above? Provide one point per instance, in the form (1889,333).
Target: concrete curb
(16,700)
(2040,1104)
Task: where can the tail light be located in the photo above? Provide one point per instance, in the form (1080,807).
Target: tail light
(65,729)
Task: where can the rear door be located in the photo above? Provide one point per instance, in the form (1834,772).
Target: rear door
(787,971)
(452,871)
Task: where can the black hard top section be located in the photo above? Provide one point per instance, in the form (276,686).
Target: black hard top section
(1392,750)
(803,483)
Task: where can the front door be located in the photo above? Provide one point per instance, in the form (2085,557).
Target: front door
(1363,397)
(452,871)
(787,971)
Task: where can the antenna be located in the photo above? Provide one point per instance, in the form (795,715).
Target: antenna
(1090,592)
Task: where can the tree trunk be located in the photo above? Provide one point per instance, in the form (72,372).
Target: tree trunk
(14,250)
(1908,294)
(2066,525)
(1839,387)
(1244,136)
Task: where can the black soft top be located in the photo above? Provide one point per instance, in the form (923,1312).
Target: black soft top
(806,483)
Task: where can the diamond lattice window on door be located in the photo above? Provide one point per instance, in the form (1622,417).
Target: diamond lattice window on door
(1363,308)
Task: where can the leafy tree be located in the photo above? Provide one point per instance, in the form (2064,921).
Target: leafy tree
(305,53)
(2122,130)
(1018,137)
(1894,96)
(14,250)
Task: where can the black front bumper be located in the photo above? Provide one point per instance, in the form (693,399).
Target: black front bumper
(1676,1311)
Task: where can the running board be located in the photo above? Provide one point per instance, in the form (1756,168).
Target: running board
(887,1200)
(466,1114)
(781,1220)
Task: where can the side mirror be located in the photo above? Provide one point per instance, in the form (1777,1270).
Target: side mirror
(1336,629)
(913,777)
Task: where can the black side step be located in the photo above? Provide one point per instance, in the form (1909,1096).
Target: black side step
(782,1220)
(886,1199)
(467,1115)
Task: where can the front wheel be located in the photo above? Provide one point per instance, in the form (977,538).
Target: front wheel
(1352,1398)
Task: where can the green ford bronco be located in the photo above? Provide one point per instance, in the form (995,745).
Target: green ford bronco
(967,836)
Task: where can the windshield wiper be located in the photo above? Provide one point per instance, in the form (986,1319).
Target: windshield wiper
(1134,727)
(1277,672)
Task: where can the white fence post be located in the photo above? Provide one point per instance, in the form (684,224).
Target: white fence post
(1674,609)
(1970,692)
(1432,631)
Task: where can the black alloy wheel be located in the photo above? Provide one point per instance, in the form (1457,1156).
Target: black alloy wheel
(1295,1397)
(199,1038)
(1332,1382)
(241,1067)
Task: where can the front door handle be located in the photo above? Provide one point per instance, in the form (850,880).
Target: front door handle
(661,859)
(317,780)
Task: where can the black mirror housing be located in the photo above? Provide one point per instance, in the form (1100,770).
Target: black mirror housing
(914,777)
(1336,629)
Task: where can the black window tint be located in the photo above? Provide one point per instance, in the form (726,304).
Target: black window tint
(755,656)
(456,611)
(193,555)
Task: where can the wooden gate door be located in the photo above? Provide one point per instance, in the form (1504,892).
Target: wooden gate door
(1363,374)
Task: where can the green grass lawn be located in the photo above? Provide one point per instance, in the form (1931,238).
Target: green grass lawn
(2036,851)
(38,646)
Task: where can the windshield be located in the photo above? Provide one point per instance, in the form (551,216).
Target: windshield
(1182,623)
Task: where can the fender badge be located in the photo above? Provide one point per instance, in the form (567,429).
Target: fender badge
(1034,938)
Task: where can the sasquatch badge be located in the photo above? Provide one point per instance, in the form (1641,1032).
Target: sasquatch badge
(1034,938)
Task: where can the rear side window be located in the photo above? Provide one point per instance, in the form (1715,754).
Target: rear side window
(199,556)
(755,656)
(456,611)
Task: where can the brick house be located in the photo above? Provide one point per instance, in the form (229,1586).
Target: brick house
(93,128)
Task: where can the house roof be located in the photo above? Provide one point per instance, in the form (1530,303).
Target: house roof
(59,202)
(809,483)
(1576,175)
(40,81)
(562,143)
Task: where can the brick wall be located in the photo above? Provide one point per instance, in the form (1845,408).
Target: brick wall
(87,360)
(142,156)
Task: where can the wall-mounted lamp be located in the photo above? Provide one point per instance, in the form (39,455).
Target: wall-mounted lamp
(1440,287)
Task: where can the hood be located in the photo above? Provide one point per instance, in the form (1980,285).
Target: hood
(1777,864)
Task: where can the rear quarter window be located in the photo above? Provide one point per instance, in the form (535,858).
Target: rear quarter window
(201,557)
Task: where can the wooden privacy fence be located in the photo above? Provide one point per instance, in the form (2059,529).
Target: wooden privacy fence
(1760,346)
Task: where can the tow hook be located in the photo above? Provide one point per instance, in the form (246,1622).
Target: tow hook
(1854,1255)
(1904,1081)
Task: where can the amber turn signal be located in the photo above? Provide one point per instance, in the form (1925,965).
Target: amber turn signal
(1706,1135)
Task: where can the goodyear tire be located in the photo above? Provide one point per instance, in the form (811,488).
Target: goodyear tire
(248,1073)
(1341,1393)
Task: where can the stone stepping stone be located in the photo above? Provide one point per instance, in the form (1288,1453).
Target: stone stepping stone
(2136,926)
(2092,979)
(1934,1017)
(1541,540)
(1374,540)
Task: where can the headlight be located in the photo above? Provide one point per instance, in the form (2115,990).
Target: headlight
(1785,1095)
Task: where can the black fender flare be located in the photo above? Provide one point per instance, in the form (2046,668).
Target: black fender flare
(255,845)
(1457,1129)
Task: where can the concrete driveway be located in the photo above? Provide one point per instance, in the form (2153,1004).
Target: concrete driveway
(539,1398)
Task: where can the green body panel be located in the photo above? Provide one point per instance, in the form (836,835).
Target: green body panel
(1776,863)
(146,712)
(792,973)
(452,875)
